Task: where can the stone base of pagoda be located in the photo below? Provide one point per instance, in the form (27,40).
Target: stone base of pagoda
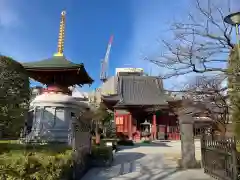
(53,116)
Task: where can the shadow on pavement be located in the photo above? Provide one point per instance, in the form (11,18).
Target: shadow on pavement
(171,174)
(125,157)
(158,144)
(152,144)
(160,175)
(123,163)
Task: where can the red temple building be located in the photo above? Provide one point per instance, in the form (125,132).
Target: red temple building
(141,109)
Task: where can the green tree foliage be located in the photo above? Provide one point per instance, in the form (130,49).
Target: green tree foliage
(14,96)
(234,89)
(102,114)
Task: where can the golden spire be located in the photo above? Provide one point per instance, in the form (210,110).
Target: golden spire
(61,35)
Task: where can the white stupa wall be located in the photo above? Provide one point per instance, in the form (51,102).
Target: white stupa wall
(52,116)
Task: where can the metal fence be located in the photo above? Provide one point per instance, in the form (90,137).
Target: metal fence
(220,157)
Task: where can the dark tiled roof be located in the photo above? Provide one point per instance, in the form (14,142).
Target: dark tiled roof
(114,97)
(141,90)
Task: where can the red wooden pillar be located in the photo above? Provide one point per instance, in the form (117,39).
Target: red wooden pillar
(115,121)
(130,126)
(154,129)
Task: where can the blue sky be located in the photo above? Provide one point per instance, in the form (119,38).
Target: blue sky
(29,30)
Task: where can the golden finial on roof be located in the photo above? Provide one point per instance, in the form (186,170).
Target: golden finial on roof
(61,35)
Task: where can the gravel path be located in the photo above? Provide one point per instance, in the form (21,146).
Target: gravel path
(146,162)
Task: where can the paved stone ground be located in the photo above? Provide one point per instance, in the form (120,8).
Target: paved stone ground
(146,162)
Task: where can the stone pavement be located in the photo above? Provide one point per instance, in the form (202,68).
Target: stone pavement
(145,163)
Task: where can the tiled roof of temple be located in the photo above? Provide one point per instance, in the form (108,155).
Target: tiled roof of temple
(139,90)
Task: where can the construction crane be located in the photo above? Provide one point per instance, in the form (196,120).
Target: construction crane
(104,62)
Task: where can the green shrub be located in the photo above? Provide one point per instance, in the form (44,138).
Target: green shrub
(14,96)
(101,152)
(34,162)
(146,141)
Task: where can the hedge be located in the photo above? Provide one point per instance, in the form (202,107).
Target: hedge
(44,162)
(101,156)
(35,162)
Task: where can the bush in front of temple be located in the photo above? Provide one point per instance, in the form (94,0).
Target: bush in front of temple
(101,156)
(35,162)
(48,162)
(14,96)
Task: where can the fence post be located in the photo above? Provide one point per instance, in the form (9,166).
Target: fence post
(234,158)
(187,140)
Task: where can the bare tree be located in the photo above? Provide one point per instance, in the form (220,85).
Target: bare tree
(201,43)
(210,99)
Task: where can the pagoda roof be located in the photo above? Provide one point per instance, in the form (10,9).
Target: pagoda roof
(53,63)
(71,73)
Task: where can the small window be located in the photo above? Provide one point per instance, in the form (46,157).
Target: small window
(49,116)
(119,120)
